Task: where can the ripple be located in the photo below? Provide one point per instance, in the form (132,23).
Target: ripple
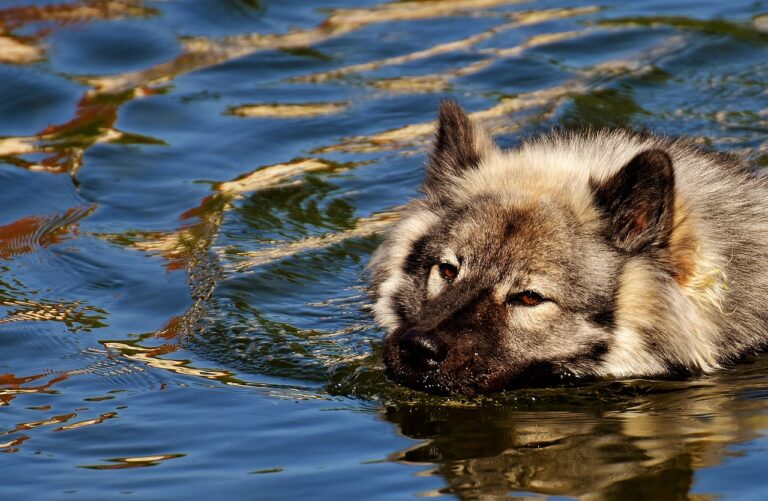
(31,233)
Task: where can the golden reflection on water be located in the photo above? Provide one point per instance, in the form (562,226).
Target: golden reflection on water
(29,48)
(204,52)
(133,462)
(13,445)
(67,13)
(513,113)
(151,357)
(277,110)
(188,248)
(157,357)
(31,233)
(87,422)
(94,122)
(13,51)
(12,385)
(72,314)
(65,144)
(97,110)
(519,19)
(366,226)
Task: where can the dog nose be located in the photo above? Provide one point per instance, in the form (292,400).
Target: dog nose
(422,349)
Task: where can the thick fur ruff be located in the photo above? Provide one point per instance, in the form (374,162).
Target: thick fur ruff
(598,254)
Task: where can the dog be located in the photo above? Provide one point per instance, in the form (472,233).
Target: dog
(577,255)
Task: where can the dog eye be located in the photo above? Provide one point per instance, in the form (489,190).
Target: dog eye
(526,298)
(448,271)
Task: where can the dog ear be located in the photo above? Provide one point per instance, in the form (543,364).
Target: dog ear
(459,145)
(638,202)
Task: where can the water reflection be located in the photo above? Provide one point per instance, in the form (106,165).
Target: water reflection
(28,48)
(439,80)
(12,385)
(513,113)
(31,233)
(633,440)
(133,462)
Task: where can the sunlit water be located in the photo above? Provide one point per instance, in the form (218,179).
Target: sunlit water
(191,191)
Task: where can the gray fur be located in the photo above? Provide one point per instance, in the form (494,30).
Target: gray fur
(647,255)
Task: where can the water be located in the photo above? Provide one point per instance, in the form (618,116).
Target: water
(191,191)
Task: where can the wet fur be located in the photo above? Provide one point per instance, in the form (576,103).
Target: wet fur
(651,251)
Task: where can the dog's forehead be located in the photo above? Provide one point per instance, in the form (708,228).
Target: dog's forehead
(492,226)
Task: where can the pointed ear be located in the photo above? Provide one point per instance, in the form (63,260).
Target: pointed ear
(638,202)
(459,145)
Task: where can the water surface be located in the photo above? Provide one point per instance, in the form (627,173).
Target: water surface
(191,191)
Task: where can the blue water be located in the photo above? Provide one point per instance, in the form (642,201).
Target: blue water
(192,189)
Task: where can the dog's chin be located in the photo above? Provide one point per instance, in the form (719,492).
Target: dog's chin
(435,382)
(469,379)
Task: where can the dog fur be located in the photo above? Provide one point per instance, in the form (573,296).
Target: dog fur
(608,253)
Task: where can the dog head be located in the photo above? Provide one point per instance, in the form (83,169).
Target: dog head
(505,273)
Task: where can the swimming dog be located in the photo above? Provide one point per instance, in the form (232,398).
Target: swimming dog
(606,253)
